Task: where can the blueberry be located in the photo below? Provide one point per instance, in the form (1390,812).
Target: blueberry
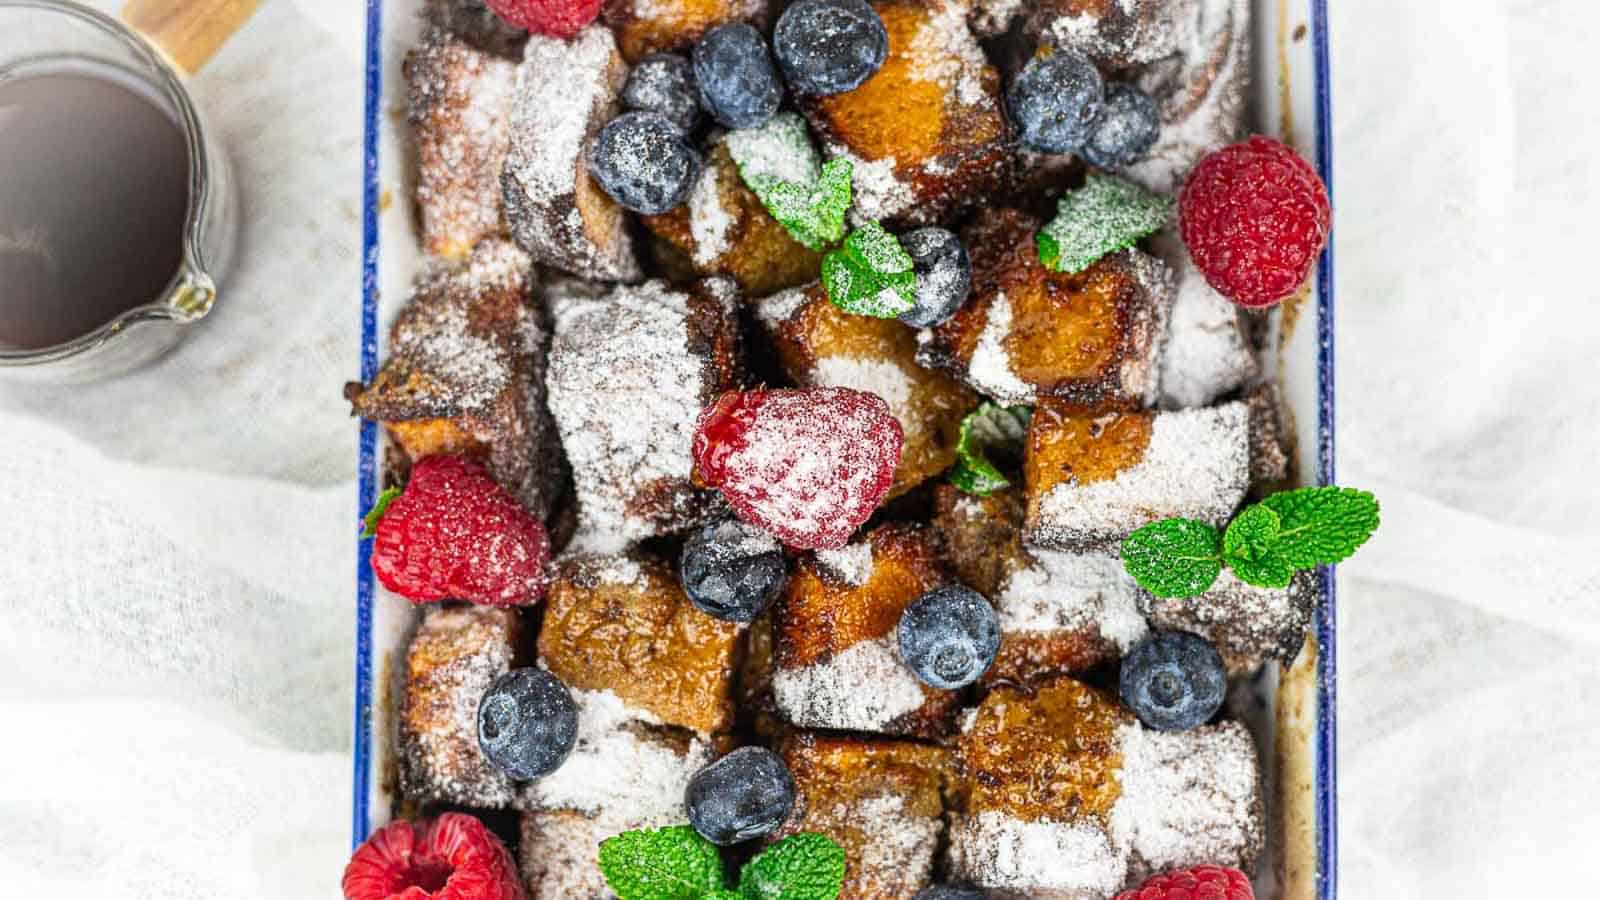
(732,570)
(738,84)
(1173,680)
(949,892)
(949,636)
(664,83)
(743,795)
(644,162)
(829,46)
(1055,101)
(944,275)
(1126,130)
(527,723)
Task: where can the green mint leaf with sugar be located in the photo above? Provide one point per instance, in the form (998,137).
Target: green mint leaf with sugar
(813,214)
(673,863)
(1253,534)
(1268,570)
(1107,214)
(378,509)
(989,427)
(871,274)
(806,866)
(1174,557)
(1320,526)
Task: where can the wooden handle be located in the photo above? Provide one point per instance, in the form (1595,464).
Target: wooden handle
(190,31)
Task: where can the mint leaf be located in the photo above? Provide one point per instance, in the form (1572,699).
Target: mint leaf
(379,507)
(673,863)
(1253,534)
(1107,214)
(1174,557)
(1320,526)
(805,866)
(1269,570)
(871,274)
(989,427)
(780,165)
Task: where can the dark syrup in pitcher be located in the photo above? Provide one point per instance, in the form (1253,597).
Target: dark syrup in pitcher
(94,192)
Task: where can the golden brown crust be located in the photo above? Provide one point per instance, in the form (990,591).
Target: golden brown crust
(623,624)
(647,26)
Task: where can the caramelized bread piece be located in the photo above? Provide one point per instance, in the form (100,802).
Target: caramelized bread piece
(1092,338)
(565,92)
(1059,612)
(559,854)
(1113,33)
(630,370)
(837,663)
(457,652)
(622,624)
(1091,479)
(465,374)
(645,26)
(460,113)
(1248,624)
(823,346)
(879,800)
(1269,439)
(725,230)
(1208,353)
(1065,794)
(926,133)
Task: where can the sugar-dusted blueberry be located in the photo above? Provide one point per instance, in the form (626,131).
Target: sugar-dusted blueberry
(527,723)
(744,795)
(644,162)
(1055,101)
(738,84)
(944,275)
(1126,130)
(732,570)
(949,636)
(664,83)
(949,892)
(1173,680)
(829,46)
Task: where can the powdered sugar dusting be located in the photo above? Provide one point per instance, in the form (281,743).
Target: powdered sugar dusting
(879,193)
(877,376)
(943,52)
(851,565)
(780,307)
(894,838)
(1072,592)
(1207,354)
(992,18)
(1247,623)
(710,223)
(1075,860)
(864,688)
(990,368)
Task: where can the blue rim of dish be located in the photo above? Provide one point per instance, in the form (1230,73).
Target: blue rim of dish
(1327,731)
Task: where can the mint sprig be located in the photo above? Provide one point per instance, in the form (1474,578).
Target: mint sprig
(781,166)
(871,275)
(1264,545)
(1107,214)
(379,507)
(676,863)
(989,427)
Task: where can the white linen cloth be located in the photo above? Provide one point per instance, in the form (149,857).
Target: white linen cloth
(175,546)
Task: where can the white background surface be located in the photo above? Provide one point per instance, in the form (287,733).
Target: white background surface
(175,553)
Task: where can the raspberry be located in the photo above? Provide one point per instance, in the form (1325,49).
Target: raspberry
(557,18)
(454,533)
(1198,883)
(1254,217)
(806,466)
(451,858)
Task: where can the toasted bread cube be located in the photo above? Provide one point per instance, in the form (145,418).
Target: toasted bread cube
(456,653)
(1092,479)
(1115,34)
(630,370)
(1059,612)
(725,230)
(925,134)
(1270,457)
(879,800)
(647,26)
(560,854)
(1200,86)
(1208,353)
(622,624)
(465,374)
(823,346)
(1248,624)
(566,91)
(460,115)
(1027,333)
(837,664)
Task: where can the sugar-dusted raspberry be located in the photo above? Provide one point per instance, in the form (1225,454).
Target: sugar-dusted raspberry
(1198,883)
(451,858)
(456,534)
(807,466)
(1254,217)
(557,18)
